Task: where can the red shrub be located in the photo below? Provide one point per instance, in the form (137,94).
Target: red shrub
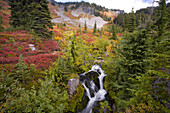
(41,61)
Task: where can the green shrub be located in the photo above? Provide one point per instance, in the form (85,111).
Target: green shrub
(11,28)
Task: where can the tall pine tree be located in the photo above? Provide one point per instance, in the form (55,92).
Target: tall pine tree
(132,24)
(85,26)
(130,64)
(160,58)
(94,29)
(114,37)
(41,20)
(162,18)
(31,15)
(1,28)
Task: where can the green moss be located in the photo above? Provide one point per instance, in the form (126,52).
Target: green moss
(74,100)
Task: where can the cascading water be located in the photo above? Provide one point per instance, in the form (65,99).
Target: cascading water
(92,91)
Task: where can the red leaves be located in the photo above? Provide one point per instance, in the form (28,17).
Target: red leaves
(88,38)
(16,43)
(41,61)
(57,33)
(10,60)
(49,46)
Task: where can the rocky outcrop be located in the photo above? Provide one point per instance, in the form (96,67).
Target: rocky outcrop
(72,84)
(90,22)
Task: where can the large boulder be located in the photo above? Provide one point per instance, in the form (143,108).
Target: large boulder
(72,84)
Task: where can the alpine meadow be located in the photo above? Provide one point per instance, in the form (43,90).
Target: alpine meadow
(82,57)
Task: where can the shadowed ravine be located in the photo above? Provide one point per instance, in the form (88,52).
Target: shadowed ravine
(94,93)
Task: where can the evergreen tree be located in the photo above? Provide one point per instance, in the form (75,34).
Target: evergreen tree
(38,20)
(73,48)
(131,25)
(94,29)
(159,47)
(79,29)
(114,37)
(21,71)
(162,17)
(49,97)
(125,21)
(85,26)
(16,12)
(130,64)
(65,9)
(1,28)
(41,19)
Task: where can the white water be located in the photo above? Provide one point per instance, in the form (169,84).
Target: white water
(100,94)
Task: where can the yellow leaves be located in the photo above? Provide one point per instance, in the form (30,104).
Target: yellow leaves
(58,38)
(104,36)
(115,41)
(90,50)
(109,48)
(78,63)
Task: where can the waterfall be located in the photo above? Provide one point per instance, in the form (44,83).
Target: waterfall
(92,92)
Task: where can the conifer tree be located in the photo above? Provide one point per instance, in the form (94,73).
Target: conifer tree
(79,29)
(65,9)
(1,28)
(125,21)
(38,20)
(73,48)
(41,21)
(130,63)
(131,24)
(114,37)
(159,47)
(85,26)
(21,71)
(16,12)
(162,17)
(94,29)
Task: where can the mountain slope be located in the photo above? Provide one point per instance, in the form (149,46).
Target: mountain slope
(74,13)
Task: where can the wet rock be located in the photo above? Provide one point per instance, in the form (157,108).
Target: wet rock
(72,84)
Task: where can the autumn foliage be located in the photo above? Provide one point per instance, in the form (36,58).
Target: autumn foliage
(13,44)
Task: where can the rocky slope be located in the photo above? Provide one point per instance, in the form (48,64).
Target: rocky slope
(75,14)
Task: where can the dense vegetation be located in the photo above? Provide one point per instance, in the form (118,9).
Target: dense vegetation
(134,53)
(37,21)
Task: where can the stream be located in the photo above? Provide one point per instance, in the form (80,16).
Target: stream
(94,93)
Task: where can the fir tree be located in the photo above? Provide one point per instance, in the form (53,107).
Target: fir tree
(38,20)
(41,19)
(85,26)
(16,12)
(131,25)
(125,21)
(65,9)
(162,20)
(79,29)
(1,28)
(159,59)
(94,29)
(114,37)
(73,48)
(130,64)
(49,97)
(21,71)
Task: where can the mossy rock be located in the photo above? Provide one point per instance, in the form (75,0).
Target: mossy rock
(75,100)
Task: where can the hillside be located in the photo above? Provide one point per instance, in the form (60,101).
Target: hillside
(77,57)
(14,43)
(75,13)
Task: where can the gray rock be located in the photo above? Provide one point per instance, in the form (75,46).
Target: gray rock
(113,108)
(72,84)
